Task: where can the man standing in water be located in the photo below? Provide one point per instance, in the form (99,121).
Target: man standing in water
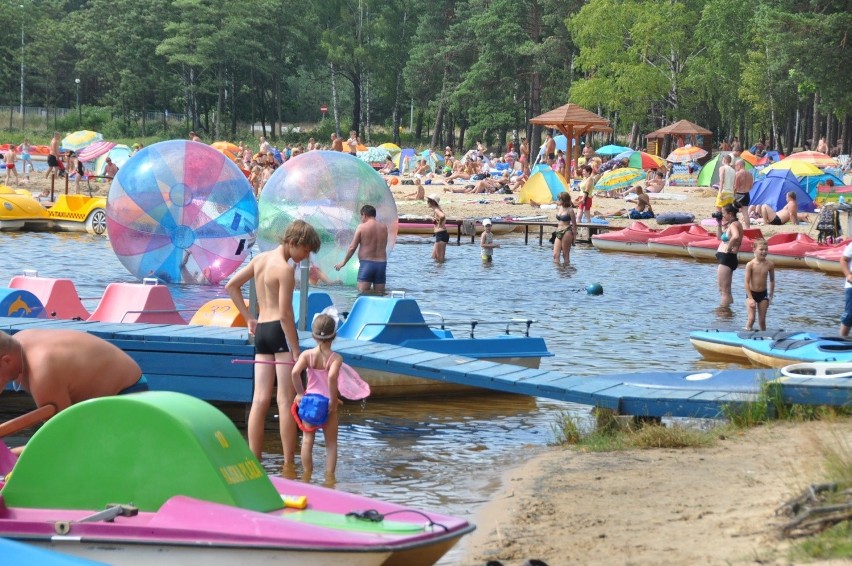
(371,241)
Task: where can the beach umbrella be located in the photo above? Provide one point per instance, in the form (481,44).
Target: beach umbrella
(80,139)
(797,167)
(619,178)
(772,189)
(374,155)
(95,150)
(770,157)
(686,154)
(611,150)
(392,148)
(550,181)
(641,160)
(816,158)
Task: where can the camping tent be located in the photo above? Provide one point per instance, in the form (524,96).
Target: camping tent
(773,188)
(811,183)
(709,174)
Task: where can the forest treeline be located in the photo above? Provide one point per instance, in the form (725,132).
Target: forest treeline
(458,69)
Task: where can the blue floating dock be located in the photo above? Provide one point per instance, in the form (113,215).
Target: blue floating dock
(197,360)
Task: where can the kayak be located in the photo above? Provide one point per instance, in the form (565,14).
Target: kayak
(634,238)
(676,244)
(727,345)
(798,348)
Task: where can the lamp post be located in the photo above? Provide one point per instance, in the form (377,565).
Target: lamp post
(22,63)
(79,110)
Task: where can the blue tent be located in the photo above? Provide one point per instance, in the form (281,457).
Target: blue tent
(811,183)
(773,188)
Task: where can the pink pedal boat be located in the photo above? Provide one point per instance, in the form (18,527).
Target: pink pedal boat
(706,249)
(164,478)
(792,253)
(676,244)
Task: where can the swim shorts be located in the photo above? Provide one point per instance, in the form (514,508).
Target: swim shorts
(442,236)
(760,296)
(776,221)
(729,260)
(587,203)
(372,271)
(269,338)
(726,199)
(742,199)
(140,385)
(52,161)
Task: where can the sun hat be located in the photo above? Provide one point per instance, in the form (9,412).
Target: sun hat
(486,222)
(434,198)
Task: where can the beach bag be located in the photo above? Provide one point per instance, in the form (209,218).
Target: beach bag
(828,224)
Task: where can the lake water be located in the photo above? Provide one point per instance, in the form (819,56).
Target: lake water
(449,453)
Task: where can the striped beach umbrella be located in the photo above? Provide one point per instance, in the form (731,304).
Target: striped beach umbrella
(641,160)
(619,178)
(80,139)
(95,150)
(686,154)
(814,158)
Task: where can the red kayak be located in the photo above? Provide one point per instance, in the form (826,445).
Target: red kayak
(634,238)
(827,260)
(706,249)
(676,244)
(792,253)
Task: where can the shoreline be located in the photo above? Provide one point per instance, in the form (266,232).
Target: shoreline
(713,505)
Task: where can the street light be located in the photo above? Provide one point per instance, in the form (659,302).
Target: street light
(79,110)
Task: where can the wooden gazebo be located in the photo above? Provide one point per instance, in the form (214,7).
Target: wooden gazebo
(574,122)
(682,130)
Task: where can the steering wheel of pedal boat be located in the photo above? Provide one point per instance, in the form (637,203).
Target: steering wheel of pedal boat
(821,370)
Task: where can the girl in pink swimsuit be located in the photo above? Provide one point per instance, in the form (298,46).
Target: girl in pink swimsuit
(315,407)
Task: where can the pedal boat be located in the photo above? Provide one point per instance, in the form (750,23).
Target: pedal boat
(19,211)
(792,253)
(164,478)
(634,238)
(676,244)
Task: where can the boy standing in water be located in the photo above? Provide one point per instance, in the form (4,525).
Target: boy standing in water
(274,329)
(486,242)
(756,274)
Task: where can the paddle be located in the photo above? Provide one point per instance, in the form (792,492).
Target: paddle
(25,421)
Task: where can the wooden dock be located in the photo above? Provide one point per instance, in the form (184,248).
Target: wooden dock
(197,360)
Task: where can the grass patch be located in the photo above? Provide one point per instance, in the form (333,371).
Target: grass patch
(607,432)
(832,543)
(770,406)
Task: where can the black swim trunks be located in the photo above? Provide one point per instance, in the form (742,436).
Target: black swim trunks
(729,260)
(742,199)
(52,161)
(442,236)
(776,221)
(269,338)
(760,296)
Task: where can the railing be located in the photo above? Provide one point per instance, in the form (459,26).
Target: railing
(473,324)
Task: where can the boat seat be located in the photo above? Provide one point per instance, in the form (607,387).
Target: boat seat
(137,302)
(59,296)
(20,303)
(372,318)
(317,302)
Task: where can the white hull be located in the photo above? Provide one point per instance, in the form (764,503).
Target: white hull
(826,265)
(788,260)
(617,246)
(668,249)
(386,384)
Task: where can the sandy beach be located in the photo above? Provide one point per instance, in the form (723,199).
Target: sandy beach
(714,505)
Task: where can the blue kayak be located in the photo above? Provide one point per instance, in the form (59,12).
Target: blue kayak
(727,345)
(799,348)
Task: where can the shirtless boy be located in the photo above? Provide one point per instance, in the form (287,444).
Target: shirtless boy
(10,157)
(757,272)
(274,330)
(371,240)
(790,212)
(64,367)
(53,156)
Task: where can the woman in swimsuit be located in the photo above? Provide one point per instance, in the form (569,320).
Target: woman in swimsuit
(442,237)
(730,233)
(566,228)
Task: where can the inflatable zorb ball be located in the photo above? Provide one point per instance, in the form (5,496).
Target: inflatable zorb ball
(182,212)
(326,189)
